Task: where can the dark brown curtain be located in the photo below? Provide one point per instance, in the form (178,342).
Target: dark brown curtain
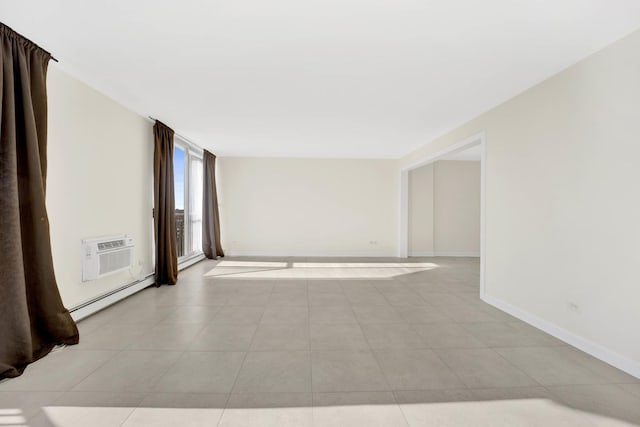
(32,317)
(164,206)
(210,217)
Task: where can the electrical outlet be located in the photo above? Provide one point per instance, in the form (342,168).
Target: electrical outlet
(373,242)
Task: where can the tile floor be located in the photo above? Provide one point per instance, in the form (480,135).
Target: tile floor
(301,342)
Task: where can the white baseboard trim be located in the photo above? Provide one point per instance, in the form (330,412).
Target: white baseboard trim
(103,301)
(189,262)
(451,254)
(311,254)
(459,254)
(623,363)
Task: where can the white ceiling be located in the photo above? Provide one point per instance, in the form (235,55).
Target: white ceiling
(317,78)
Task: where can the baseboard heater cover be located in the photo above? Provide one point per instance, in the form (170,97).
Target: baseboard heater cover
(103,301)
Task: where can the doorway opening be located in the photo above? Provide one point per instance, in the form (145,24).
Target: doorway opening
(474,144)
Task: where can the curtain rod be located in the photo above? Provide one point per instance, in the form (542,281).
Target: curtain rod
(29,40)
(187,140)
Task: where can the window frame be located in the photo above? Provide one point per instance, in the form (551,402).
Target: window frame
(190,152)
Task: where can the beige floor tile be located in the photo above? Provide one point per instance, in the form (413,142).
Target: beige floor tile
(346,370)
(295,298)
(422,314)
(528,412)
(275,416)
(442,299)
(278,371)
(248,299)
(608,372)
(78,416)
(392,335)
(405,297)
(171,417)
(446,335)
(202,372)
(113,336)
(281,337)
(286,314)
(484,368)
(341,314)
(224,337)
(322,286)
(327,299)
(551,365)
(144,314)
(268,409)
(130,370)
(337,336)
(503,334)
(411,369)
(59,370)
(194,314)
(511,393)
(366,297)
(467,313)
(603,399)
(25,404)
(167,336)
(235,314)
(357,409)
(631,388)
(108,399)
(376,314)
(185,400)
(416,397)
(290,285)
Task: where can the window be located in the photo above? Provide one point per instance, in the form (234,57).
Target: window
(195,203)
(179,185)
(187,176)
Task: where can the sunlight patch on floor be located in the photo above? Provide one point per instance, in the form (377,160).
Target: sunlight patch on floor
(252,264)
(520,412)
(316,270)
(517,412)
(12,417)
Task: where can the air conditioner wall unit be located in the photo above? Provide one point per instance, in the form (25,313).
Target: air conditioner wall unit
(103,256)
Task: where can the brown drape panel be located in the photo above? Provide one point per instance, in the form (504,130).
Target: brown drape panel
(210,217)
(164,218)
(32,317)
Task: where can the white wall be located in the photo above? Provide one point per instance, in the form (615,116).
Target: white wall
(421,211)
(323,207)
(99,182)
(456,208)
(444,209)
(562,205)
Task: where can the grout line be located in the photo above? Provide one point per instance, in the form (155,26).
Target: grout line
(130,414)
(310,351)
(246,354)
(373,354)
(464,385)
(404,416)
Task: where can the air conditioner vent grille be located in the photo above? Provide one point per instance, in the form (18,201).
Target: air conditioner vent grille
(114,261)
(114,244)
(103,256)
